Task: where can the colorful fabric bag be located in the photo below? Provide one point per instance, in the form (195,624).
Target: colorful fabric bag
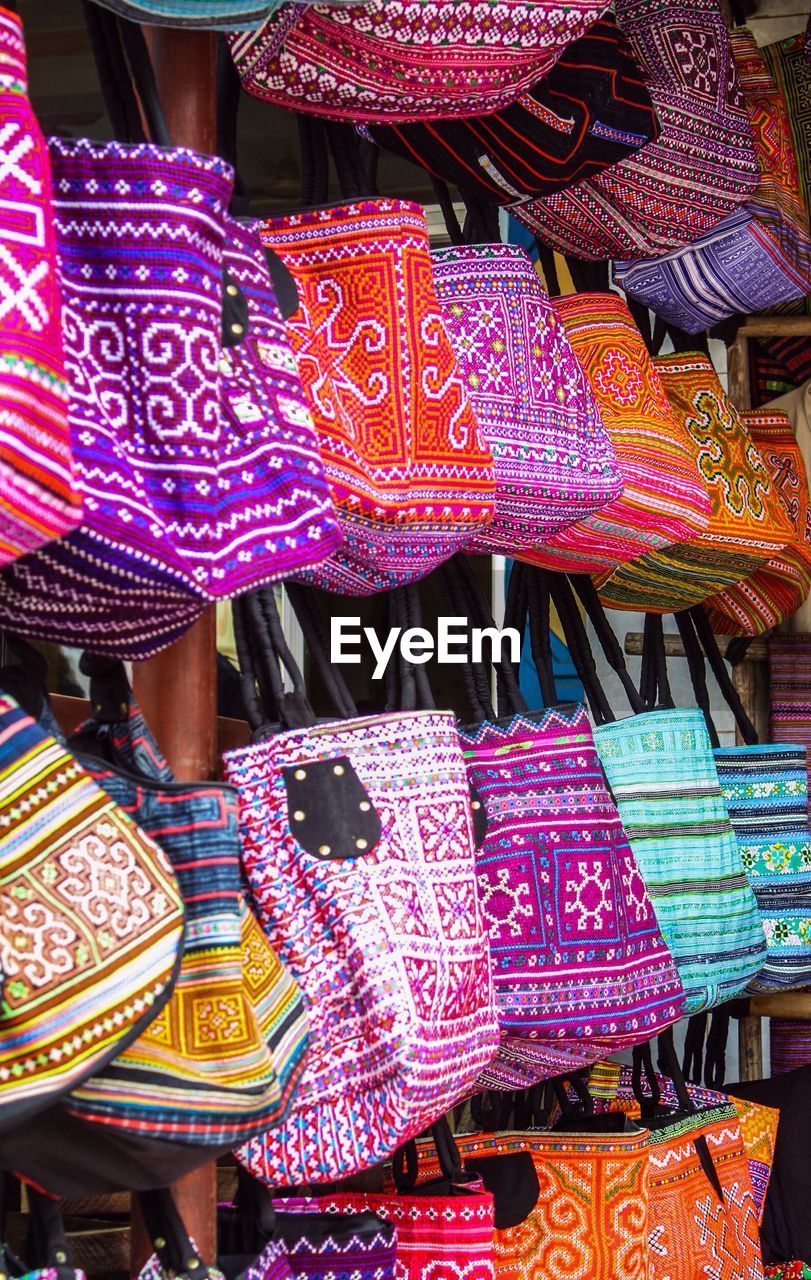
(566,1203)
(38,497)
(590,111)
(662,776)
(397,60)
(702,166)
(765,789)
(221,1061)
(554,463)
(411,477)
(578,960)
(748,525)
(789,1045)
(91,922)
(357,842)
(663,501)
(759,256)
(703,1216)
(151,393)
(774,592)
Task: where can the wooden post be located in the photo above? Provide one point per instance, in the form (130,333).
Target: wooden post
(178,688)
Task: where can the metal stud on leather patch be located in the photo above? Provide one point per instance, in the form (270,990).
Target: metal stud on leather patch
(329,810)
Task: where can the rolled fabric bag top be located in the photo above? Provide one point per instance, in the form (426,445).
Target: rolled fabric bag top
(590,111)
(409,59)
(411,473)
(218,15)
(39,499)
(700,168)
(554,462)
(760,255)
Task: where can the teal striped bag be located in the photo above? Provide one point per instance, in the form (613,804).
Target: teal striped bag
(660,769)
(765,789)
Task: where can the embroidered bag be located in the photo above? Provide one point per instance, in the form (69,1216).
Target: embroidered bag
(776,590)
(748,525)
(410,475)
(91,922)
(47,1247)
(399,60)
(577,956)
(663,501)
(357,842)
(38,497)
(760,255)
(591,110)
(444,1228)
(790,689)
(565,1203)
(159,541)
(221,1061)
(702,166)
(554,462)
(662,776)
(703,1217)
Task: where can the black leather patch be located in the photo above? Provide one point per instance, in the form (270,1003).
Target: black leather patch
(329,810)
(512,1180)
(235,315)
(479,816)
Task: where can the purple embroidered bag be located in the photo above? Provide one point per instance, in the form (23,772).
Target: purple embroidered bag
(357,842)
(554,461)
(579,961)
(196,459)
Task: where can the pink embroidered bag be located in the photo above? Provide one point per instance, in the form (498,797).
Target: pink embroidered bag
(38,498)
(553,459)
(399,60)
(357,839)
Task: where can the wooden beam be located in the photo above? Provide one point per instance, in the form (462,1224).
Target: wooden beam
(782,1004)
(775,327)
(178,688)
(758,650)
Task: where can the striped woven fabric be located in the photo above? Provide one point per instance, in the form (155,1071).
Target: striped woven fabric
(765,789)
(589,112)
(700,168)
(663,499)
(776,590)
(38,497)
(222,1059)
(91,921)
(790,1045)
(661,771)
(790,689)
(747,526)
(761,254)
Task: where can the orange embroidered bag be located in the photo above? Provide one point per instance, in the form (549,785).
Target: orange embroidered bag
(777,589)
(410,475)
(748,525)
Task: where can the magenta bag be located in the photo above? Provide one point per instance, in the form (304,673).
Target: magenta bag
(580,966)
(38,498)
(195,453)
(357,838)
(407,59)
(702,166)
(554,462)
